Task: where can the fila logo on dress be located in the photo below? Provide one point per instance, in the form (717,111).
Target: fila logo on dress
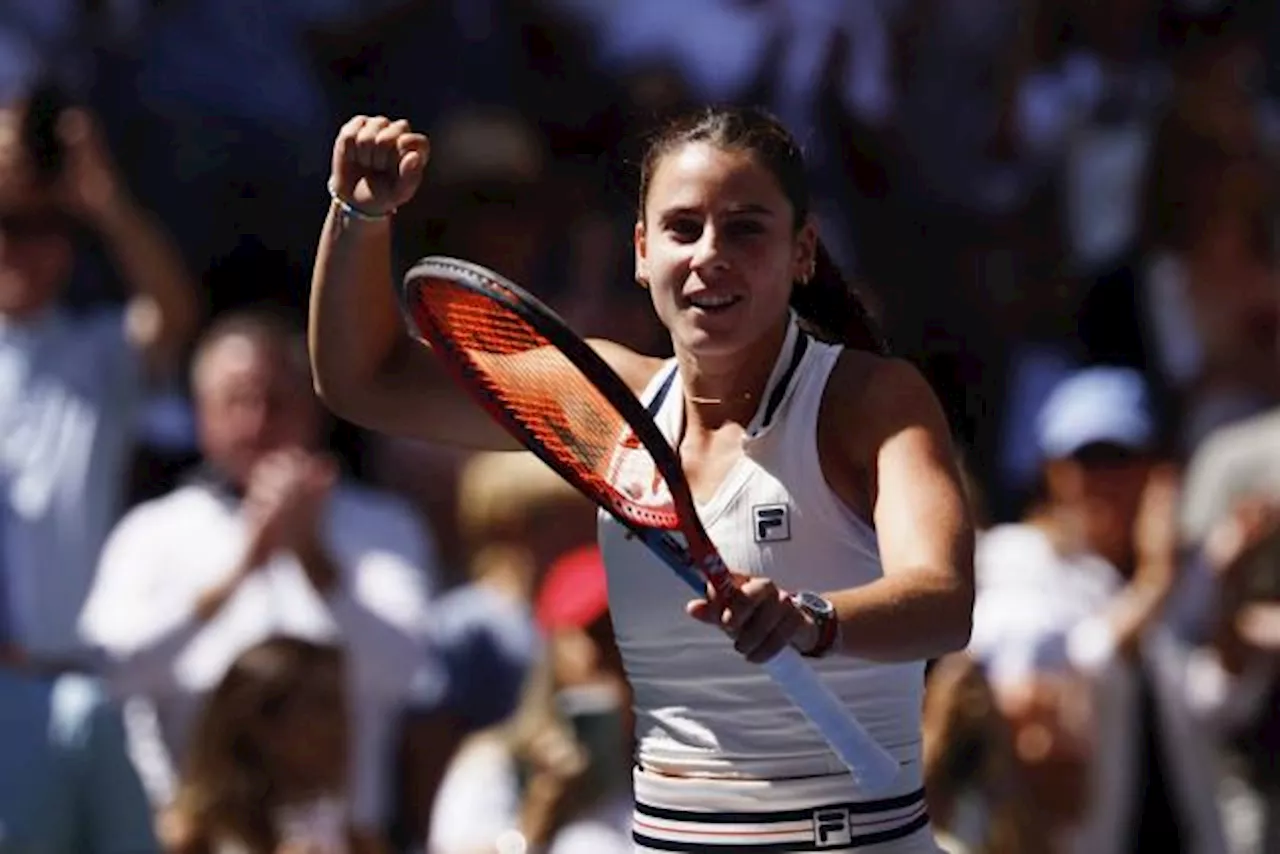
(771,523)
(831,828)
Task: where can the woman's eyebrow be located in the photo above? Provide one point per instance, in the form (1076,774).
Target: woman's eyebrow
(750,208)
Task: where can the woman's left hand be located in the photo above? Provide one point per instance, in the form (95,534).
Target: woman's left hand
(759,616)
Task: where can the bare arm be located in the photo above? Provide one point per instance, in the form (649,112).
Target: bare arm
(163,310)
(1246,630)
(367,368)
(164,307)
(1141,604)
(884,445)
(901,452)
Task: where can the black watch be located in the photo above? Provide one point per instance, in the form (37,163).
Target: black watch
(823,613)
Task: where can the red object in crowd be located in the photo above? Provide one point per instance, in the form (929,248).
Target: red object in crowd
(574,593)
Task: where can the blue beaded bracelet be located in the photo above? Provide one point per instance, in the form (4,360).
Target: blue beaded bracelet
(352,211)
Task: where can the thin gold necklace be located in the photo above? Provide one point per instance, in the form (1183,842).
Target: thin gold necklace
(715,401)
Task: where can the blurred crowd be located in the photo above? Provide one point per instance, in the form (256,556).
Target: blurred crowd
(231,623)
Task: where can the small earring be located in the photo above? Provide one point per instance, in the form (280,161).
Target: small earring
(642,282)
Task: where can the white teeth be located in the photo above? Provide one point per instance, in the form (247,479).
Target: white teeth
(712,301)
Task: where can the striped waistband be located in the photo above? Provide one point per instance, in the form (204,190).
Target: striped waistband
(830,827)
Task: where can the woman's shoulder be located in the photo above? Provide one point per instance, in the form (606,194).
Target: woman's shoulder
(878,396)
(878,411)
(635,369)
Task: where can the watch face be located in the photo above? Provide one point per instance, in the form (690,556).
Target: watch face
(815,603)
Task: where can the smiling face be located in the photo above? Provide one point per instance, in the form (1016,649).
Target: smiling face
(719,248)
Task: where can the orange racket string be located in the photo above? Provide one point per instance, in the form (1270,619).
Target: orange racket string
(538,386)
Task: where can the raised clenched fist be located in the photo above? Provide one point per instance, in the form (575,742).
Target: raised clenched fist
(378,163)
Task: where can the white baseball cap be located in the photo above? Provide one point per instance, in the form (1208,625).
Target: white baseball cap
(1108,405)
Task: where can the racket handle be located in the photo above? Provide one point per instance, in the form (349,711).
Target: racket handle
(872,767)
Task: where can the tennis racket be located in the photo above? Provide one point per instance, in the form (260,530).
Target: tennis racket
(562,401)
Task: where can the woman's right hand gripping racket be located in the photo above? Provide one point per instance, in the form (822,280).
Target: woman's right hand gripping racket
(554,394)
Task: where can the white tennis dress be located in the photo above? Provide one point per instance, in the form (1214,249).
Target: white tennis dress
(725,762)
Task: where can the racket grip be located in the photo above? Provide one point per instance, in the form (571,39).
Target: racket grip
(872,767)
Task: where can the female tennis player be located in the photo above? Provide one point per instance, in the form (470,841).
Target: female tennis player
(823,472)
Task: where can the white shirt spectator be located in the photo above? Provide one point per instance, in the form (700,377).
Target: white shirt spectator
(166,553)
(478,807)
(1039,610)
(1235,463)
(68,388)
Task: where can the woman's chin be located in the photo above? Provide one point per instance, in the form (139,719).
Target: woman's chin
(705,345)
(710,335)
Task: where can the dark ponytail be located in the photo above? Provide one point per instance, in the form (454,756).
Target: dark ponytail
(829,307)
